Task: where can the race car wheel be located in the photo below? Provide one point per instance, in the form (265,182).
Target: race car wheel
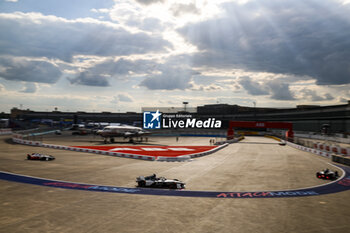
(142,183)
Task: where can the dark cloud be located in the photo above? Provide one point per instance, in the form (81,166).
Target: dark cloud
(100,74)
(124,98)
(123,67)
(173,74)
(148,2)
(253,88)
(313,96)
(280,90)
(285,37)
(29,71)
(171,78)
(180,9)
(89,79)
(36,35)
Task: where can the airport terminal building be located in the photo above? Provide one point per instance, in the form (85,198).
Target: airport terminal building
(309,118)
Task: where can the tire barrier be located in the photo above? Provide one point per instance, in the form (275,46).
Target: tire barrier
(339,185)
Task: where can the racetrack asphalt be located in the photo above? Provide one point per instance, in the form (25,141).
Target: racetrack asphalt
(260,164)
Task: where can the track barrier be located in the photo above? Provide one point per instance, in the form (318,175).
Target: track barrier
(5,131)
(311,150)
(331,149)
(18,138)
(230,141)
(341,159)
(326,151)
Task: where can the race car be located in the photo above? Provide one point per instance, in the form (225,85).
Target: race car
(159,182)
(282,143)
(37,156)
(327,174)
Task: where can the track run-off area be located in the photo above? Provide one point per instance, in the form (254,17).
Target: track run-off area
(342,184)
(99,192)
(339,185)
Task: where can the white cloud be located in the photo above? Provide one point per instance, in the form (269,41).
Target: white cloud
(125,98)
(2,88)
(200,51)
(29,88)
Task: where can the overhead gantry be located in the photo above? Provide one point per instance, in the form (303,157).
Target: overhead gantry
(260,125)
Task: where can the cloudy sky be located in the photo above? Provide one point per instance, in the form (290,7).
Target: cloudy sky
(105,55)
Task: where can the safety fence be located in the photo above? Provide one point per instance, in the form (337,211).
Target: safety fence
(311,150)
(317,147)
(335,158)
(335,149)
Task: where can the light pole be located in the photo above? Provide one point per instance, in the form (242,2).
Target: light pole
(185,104)
(254,110)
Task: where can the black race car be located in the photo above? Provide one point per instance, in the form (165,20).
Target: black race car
(159,182)
(327,174)
(37,156)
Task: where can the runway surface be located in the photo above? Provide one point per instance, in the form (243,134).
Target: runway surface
(258,164)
